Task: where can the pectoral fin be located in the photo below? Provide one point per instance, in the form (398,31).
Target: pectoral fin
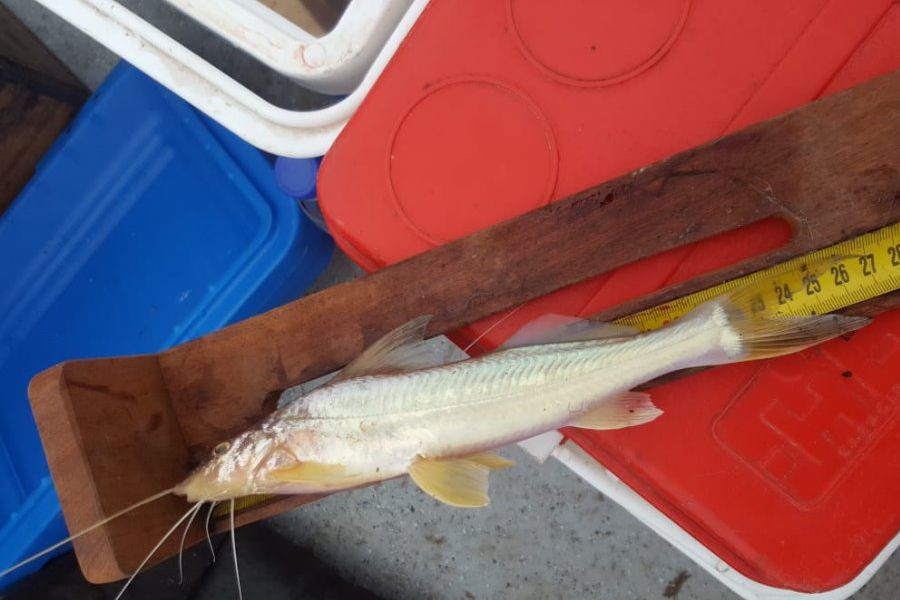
(625,410)
(455,481)
(310,472)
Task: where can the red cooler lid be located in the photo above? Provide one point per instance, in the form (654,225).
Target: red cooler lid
(787,469)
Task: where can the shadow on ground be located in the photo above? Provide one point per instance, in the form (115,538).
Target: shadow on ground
(272,568)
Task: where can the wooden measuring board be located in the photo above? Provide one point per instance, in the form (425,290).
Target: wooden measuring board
(120,429)
(839,276)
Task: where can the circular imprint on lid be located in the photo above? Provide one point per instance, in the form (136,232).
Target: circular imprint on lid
(596,42)
(468,154)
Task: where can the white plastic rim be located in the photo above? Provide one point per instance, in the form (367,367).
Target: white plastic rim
(611,486)
(300,134)
(333,64)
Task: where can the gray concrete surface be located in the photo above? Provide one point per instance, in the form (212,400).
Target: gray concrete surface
(546,534)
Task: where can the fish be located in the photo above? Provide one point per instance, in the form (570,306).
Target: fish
(397,410)
(388,415)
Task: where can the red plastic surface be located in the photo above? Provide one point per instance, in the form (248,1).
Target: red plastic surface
(789,470)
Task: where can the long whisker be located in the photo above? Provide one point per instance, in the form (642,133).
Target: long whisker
(491,328)
(190,511)
(100,523)
(237,573)
(212,551)
(181,546)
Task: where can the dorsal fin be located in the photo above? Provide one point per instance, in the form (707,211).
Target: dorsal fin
(554,329)
(400,350)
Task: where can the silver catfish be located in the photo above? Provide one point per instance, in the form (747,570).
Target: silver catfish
(394,411)
(388,413)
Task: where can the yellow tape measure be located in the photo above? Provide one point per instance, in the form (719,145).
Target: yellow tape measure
(223,509)
(820,282)
(823,281)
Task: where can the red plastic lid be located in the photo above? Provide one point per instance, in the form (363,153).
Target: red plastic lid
(786,469)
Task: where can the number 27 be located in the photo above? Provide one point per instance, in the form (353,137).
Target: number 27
(867,262)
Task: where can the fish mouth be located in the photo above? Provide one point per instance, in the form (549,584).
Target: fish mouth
(199,488)
(187,488)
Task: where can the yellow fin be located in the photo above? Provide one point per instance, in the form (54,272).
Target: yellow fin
(625,410)
(454,481)
(761,336)
(310,472)
(491,461)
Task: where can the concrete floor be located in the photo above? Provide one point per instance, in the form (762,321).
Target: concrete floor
(547,534)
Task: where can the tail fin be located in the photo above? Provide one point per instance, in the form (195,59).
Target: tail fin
(756,336)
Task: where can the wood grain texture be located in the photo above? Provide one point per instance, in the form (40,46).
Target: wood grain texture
(29,124)
(832,170)
(38,97)
(142,449)
(22,55)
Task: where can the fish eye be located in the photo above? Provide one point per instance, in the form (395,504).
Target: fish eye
(221,449)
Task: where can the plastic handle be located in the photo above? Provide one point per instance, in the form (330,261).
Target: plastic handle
(274,129)
(333,64)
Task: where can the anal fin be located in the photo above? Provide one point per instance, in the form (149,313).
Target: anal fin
(625,410)
(491,460)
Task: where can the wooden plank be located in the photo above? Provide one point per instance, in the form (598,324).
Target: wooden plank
(831,169)
(21,51)
(38,97)
(122,418)
(29,124)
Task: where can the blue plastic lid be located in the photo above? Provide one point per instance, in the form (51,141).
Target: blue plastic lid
(297,176)
(144,226)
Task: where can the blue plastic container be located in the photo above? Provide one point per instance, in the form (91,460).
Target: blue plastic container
(297,178)
(146,225)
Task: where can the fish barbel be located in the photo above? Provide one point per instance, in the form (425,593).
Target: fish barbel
(391,412)
(396,410)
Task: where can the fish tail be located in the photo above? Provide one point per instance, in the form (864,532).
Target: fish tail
(749,334)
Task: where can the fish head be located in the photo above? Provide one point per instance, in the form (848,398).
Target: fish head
(236,468)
